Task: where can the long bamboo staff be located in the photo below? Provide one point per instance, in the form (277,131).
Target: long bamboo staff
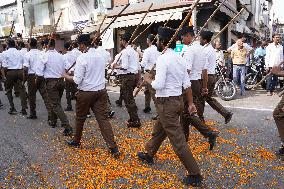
(130,40)
(143,31)
(12,29)
(208,20)
(98,34)
(281,93)
(171,40)
(114,19)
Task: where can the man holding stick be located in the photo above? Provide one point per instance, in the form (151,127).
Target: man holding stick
(52,69)
(89,75)
(35,79)
(129,66)
(278,113)
(171,77)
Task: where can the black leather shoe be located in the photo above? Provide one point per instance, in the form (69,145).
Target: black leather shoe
(280,152)
(68,131)
(32,117)
(115,152)
(193,180)
(228,117)
(1,106)
(134,124)
(73,143)
(68,109)
(111,114)
(118,103)
(12,111)
(212,139)
(147,110)
(24,112)
(145,157)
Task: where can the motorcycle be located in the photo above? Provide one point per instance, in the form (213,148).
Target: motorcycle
(224,87)
(255,74)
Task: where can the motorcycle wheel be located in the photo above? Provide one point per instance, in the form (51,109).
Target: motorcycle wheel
(226,90)
(250,81)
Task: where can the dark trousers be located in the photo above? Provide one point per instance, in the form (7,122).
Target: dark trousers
(37,84)
(278,116)
(71,89)
(97,102)
(168,125)
(271,83)
(128,83)
(212,79)
(55,88)
(186,120)
(15,79)
(197,97)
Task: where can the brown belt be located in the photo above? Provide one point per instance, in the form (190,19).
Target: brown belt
(163,99)
(53,79)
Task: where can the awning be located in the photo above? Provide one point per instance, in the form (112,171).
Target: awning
(134,19)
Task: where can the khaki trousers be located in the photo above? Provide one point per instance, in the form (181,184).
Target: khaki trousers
(197,97)
(55,89)
(278,115)
(15,79)
(186,120)
(97,102)
(168,125)
(37,84)
(128,84)
(212,79)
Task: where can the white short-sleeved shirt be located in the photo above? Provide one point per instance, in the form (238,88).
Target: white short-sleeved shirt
(53,65)
(12,59)
(150,57)
(171,75)
(89,72)
(129,60)
(32,60)
(210,59)
(195,60)
(274,55)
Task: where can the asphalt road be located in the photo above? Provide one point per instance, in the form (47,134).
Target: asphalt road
(34,155)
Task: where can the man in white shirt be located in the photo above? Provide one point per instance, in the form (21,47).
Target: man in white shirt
(89,75)
(35,83)
(195,62)
(12,62)
(149,59)
(210,64)
(70,87)
(129,68)
(274,56)
(171,77)
(52,69)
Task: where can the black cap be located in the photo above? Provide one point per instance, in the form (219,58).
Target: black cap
(84,38)
(185,30)
(166,32)
(67,45)
(207,35)
(151,37)
(11,42)
(33,42)
(126,36)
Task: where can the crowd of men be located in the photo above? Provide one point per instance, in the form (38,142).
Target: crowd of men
(179,86)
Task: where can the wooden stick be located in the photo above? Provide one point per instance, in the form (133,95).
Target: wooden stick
(56,24)
(208,20)
(231,21)
(114,19)
(143,31)
(171,40)
(12,29)
(136,29)
(98,32)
